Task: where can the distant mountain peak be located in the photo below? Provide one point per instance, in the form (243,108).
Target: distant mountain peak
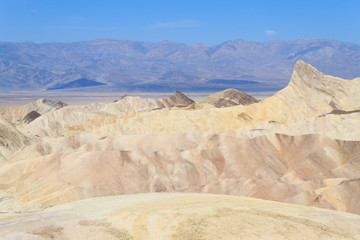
(79,83)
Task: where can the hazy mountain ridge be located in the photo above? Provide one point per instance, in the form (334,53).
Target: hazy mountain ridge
(144,66)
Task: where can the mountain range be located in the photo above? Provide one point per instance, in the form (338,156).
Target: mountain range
(113,65)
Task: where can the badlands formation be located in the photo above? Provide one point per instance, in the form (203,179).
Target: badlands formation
(63,168)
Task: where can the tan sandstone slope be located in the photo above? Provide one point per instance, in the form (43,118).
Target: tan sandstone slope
(137,104)
(53,122)
(10,140)
(306,103)
(301,146)
(310,170)
(95,153)
(41,106)
(180,217)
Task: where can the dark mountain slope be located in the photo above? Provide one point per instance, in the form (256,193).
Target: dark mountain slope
(132,64)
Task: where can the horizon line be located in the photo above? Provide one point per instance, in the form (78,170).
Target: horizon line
(170,41)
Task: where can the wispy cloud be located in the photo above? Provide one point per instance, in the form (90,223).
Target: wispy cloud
(34,11)
(183,23)
(270,32)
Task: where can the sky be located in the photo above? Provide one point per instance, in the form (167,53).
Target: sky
(197,21)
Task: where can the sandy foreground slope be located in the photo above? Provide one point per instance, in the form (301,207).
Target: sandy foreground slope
(180,216)
(300,146)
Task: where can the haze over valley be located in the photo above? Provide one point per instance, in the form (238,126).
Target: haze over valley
(132,66)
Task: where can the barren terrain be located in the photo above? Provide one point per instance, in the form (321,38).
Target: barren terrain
(134,168)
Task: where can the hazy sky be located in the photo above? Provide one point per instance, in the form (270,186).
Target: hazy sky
(206,21)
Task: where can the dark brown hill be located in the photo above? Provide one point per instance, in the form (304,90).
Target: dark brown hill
(31,116)
(229,97)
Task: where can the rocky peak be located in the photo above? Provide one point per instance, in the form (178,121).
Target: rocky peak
(55,104)
(304,73)
(179,99)
(229,97)
(313,87)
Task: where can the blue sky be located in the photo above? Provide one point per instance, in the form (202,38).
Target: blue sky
(197,21)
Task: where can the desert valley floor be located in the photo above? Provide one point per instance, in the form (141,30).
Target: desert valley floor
(226,166)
